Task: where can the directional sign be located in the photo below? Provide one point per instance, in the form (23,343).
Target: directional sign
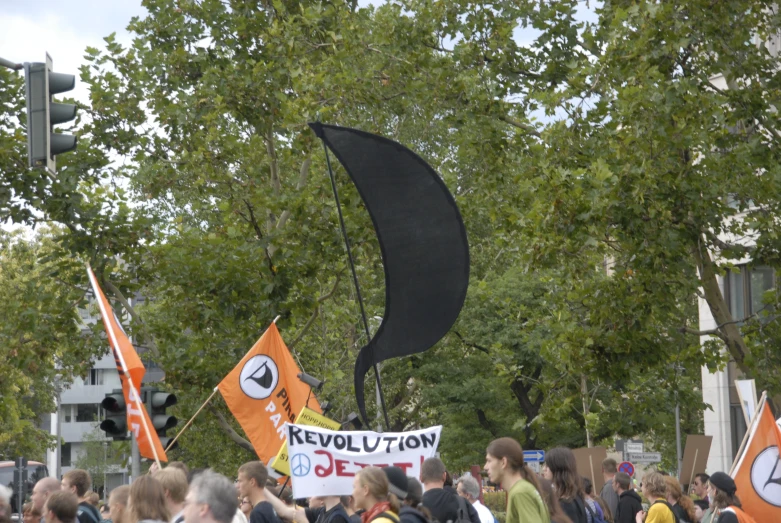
(533,456)
(627,468)
(635,447)
(645,457)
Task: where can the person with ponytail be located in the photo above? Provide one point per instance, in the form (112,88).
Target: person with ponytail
(371,493)
(683,506)
(505,466)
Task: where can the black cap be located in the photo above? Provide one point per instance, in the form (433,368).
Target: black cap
(414,491)
(397,481)
(722,481)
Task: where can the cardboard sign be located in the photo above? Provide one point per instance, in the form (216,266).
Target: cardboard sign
(324,462)
(695,457)
(589,462)
(308,417)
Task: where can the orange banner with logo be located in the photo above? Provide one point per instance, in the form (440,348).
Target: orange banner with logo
(263,392)
(757,474)
(131,373)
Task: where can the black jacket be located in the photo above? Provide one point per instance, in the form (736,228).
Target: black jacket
(575,509)
(411,515)
(443,505)
(629,504)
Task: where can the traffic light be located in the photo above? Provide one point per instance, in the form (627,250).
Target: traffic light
(157,401)
(43,144)
(115,424)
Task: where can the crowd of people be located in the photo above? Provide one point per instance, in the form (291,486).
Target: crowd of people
(176,494)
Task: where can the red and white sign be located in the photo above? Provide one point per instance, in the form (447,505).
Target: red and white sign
(324,462)
(626,468)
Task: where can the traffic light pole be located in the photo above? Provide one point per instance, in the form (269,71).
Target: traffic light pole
(10,65)
(135,458)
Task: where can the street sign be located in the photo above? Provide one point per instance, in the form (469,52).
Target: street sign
(645,457)
(535,466)
(533,456)
(636,447)
(627,468)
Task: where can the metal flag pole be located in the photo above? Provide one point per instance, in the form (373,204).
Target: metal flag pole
(355,281)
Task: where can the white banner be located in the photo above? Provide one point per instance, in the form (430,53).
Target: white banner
(747,394)
(324,462)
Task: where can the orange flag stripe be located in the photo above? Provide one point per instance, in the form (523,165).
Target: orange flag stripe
(757,474)
(263,392)
(131,373)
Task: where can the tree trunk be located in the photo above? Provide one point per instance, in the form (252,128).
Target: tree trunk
(726,325)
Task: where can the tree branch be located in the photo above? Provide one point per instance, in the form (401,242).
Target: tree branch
(468,344)
(303,174)
(485,423)
(133,314)
(232,434)
(272,154)
(528,128)
(316,312)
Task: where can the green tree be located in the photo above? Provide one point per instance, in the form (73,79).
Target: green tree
(100,456)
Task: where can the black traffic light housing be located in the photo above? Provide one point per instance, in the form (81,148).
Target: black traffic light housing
(157,401)
(115,424)
(43,144)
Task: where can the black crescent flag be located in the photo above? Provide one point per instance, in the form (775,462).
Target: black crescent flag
(422,238)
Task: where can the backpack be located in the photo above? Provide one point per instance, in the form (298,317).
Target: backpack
(596,517)
(463,511)
(742,516)
(386,517)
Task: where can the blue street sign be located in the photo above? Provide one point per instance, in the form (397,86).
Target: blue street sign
(533,456)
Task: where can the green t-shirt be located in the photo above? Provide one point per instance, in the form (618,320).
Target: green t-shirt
(524,504)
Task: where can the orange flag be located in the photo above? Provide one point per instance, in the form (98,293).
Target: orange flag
(757,473)
(131,372)
(263,392)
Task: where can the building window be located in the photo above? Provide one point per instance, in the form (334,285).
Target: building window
(88,412)
(95,377)
(67,413)
(65,459)
(744,290)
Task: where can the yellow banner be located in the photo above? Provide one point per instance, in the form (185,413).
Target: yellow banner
(307,416)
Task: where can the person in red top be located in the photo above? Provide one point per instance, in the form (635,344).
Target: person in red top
(371,493)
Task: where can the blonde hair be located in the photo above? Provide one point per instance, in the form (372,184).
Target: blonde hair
(174,481)
(147,500)
(655,484)
(377,481)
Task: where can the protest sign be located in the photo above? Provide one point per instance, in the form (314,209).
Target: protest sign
(324,462)
(307,416)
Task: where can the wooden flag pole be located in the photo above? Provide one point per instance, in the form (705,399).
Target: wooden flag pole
(191,419)
(118,354)
(739,454)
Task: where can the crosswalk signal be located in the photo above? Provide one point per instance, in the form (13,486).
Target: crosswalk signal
(43,144)
(115,424)
(157,401)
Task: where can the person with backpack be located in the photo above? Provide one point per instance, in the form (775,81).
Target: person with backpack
(724,500)
(594,511)
(371,493)
(443,501)
(683,506)
(655,490)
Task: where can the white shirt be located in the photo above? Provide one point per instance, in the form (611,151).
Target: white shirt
(483,512)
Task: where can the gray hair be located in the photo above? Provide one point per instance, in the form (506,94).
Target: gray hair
(470,485)
(5,495)
(218,493)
